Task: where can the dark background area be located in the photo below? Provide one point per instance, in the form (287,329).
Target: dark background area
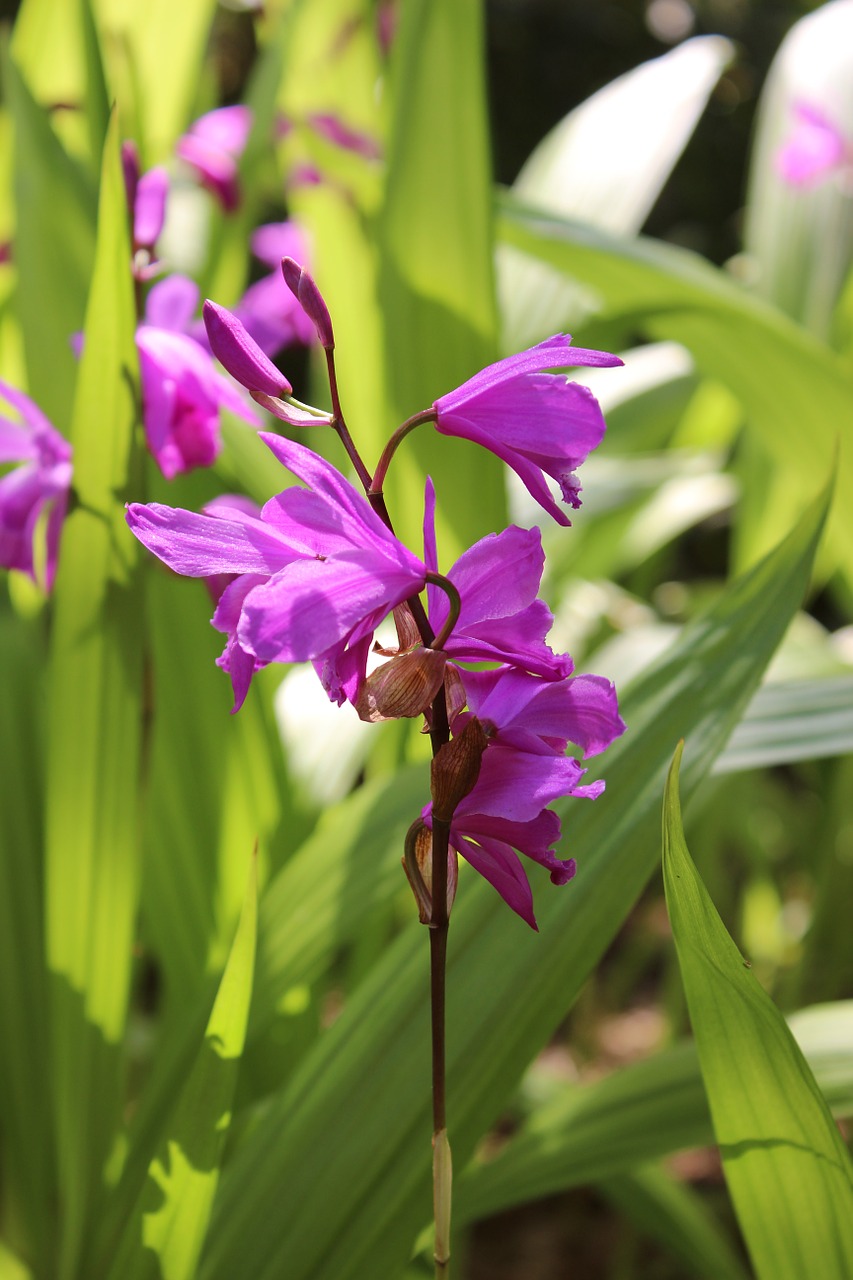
(546,56)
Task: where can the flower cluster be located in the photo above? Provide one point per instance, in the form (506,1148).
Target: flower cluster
(311,576)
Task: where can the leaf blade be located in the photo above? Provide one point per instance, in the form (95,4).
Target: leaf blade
(788,1171)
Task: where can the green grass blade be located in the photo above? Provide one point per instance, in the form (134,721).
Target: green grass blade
(788,1170)
(166,1233)
(27,1174)
(676,1217)
(436,238)
(54,249)
(94,728)
(792,720)
(509,988)
(166,43)
(587,1133)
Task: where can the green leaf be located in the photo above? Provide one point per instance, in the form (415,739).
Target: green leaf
(674,1215)
(436,281)
(54,249)
(27,1171)
(166,1234)
(587,1133)
(792,720)
(166,44)
(94,730)
(508,988)
(791,386)
(788,1170)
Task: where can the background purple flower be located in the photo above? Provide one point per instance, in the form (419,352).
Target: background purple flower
(182,393)
(268,309)
(536,422)
(40,484)
(813,149)
(212,146)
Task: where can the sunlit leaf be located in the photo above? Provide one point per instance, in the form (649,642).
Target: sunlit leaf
(94,732)
(788,1170)
(166,1234)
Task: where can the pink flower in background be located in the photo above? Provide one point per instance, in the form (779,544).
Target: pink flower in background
(335,130)
(268,310)
(814,148)
(538,423)
(39,485)
(146,198)
(212,146)
(182,393)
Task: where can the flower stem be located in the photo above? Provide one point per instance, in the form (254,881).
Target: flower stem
(441,1164)
(425,415)
(339,423)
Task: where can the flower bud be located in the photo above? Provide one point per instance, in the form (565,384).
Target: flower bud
(149,207)
(301,284)
(456,768)
(417,865)
(403,686)
(240,354)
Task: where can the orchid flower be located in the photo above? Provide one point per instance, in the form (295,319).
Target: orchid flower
(39,485)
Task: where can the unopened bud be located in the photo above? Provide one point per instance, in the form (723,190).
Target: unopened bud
(403,686)
(417,865)
(240,354)
(149,207)
(456,768)
(304,289)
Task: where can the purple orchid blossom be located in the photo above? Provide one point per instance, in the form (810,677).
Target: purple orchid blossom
(182,393)
(536,422)
(814,148)
(501,618)
(489,843)
(41,484)
(528,722)
(327,569)
(212,146)
(541,717)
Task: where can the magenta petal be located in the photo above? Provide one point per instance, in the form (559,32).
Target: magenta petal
(301,284)
(149,208)
(312,605)
(536,422)
(172,303)
(501,866)
(276,240)
(240,354)
(200,546)
(815,147)
(517,786)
